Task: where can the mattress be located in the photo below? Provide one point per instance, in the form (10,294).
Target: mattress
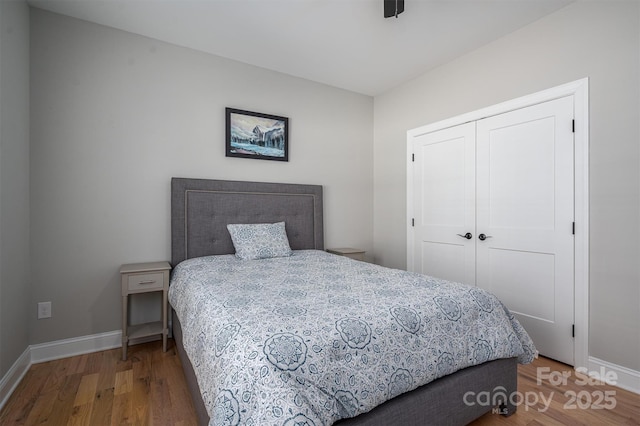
(314,338)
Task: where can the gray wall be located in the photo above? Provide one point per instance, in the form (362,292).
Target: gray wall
(599,40)
(116,115)
(14,181)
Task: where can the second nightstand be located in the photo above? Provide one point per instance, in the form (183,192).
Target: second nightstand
(352,253)
(144,278)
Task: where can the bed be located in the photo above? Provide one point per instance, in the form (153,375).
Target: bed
(255,363)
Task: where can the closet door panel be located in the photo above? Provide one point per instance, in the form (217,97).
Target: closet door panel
(444,199)
(525,208)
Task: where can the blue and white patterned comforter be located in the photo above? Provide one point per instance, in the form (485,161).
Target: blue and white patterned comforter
(315,337)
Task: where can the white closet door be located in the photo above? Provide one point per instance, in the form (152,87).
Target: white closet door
(525,208)
(444,203)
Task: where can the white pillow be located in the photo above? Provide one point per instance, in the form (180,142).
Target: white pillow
(260,240)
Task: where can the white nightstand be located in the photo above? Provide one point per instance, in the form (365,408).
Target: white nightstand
(352,253)
(144,278)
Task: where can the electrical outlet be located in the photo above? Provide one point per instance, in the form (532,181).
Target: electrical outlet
(44,310)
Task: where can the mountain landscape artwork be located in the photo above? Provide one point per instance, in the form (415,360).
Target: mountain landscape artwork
(256,135)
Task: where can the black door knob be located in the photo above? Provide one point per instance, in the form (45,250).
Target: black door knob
(483,237)
(468,235)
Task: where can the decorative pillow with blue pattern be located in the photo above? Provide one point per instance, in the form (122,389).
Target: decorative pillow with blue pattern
(260,240)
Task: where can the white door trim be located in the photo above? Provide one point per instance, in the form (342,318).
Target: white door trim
(580,90)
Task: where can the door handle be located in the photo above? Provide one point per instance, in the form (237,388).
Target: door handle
(483,237)
(468,235)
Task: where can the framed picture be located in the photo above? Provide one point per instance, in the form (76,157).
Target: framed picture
(255,135)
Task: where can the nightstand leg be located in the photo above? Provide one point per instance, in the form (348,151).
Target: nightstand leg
(165,327)
(125,338)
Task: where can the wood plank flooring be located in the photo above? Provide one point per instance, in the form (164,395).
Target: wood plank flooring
(101,389)
(149,389)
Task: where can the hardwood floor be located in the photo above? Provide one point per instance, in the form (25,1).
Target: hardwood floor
(149,389)
(101,389)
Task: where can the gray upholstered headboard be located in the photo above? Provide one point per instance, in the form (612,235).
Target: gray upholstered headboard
(201,210)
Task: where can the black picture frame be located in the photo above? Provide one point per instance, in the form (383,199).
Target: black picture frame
(256,135)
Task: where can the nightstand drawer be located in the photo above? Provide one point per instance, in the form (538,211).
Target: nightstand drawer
(146,281)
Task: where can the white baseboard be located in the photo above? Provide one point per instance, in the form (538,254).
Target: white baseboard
(14,376)
(75,346)
(623,377)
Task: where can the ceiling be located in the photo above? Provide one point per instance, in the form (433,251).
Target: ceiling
(342,43)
